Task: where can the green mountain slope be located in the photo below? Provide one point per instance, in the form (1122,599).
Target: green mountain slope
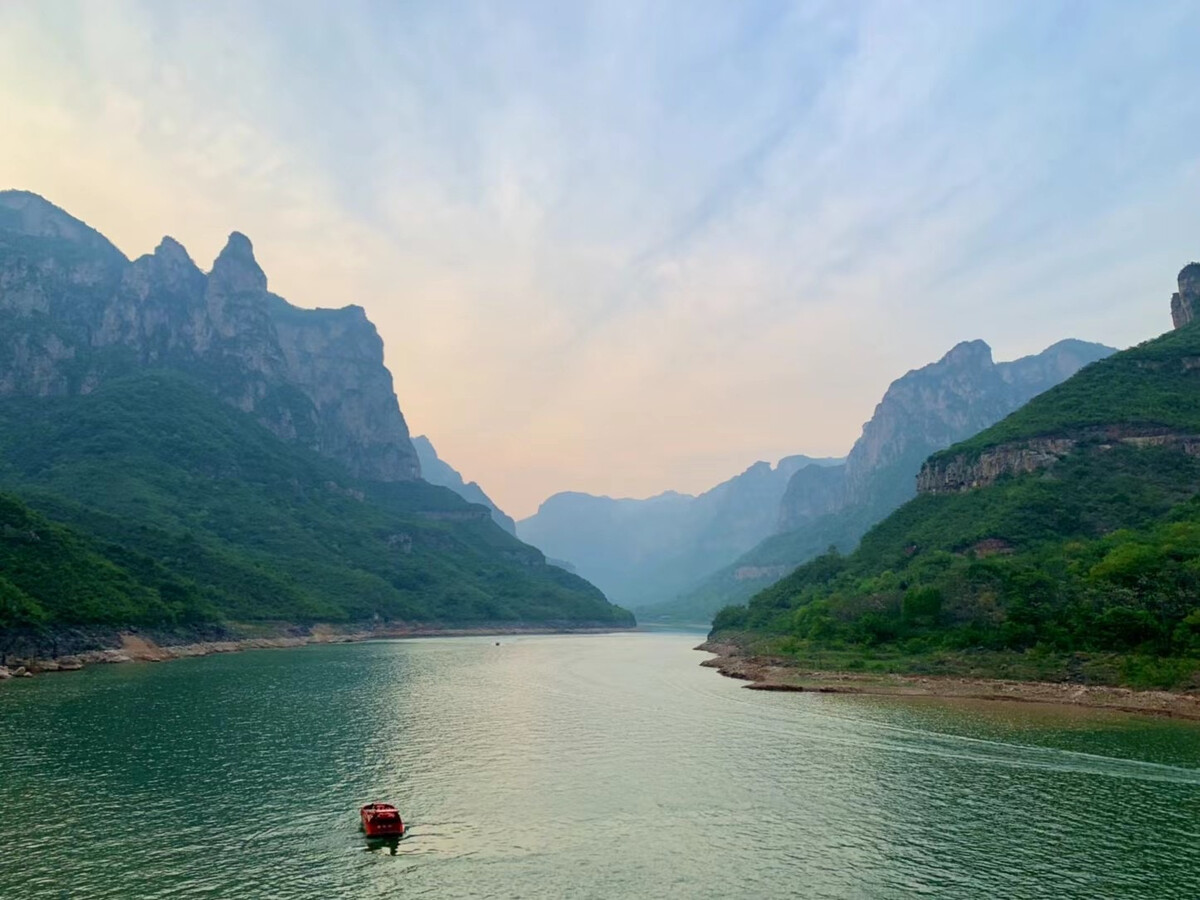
(1068,532)
(923,411)
(212,517)
(53,574)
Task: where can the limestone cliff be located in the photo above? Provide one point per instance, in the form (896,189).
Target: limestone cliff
(961,473)
(1186,302)
(76,311)
(964,471)
(959,395)
(1137,398)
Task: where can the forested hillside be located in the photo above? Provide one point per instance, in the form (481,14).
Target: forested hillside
(236,524)
(183,447)
(1068,533)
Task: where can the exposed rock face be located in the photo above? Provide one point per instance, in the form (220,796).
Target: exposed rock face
(75,311)
(437,471)
(1186,303)
(962,473)
(952,399)
(924,411)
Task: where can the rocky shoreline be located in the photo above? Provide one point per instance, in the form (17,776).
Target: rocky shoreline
(137,647)
(774,674)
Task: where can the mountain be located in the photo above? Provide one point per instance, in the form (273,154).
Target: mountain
(642,551)
(925,410)
(75,312)
(1062,542)
(215,455)
(438,471)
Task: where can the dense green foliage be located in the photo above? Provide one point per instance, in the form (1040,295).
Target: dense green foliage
(171,507)
(1099,554)
(50,573)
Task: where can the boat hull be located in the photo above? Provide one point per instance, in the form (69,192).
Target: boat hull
(381,820)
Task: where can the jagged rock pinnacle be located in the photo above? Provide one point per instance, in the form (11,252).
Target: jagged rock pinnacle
(170,250)
(1186,303)
(235,267)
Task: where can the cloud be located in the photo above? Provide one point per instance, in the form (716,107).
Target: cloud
(626,247)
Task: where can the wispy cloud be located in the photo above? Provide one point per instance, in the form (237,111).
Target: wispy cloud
(625,247)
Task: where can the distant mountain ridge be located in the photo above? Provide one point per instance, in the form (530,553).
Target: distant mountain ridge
(640,550)
(437,471)
(923,411)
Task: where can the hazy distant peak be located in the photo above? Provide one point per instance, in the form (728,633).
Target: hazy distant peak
(236,268)
(974,353)
(1072,347)
(565,499)
(670,495)
(436,470)
(800,461)
(1056,363)
(1073,344)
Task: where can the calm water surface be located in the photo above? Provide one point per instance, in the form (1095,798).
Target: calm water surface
(576,766)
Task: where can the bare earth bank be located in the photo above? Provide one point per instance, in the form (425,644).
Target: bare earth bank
(773,674)
(131,646)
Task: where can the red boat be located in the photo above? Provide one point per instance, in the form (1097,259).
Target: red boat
(382,820)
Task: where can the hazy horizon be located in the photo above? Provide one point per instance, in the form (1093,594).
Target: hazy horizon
(625,250)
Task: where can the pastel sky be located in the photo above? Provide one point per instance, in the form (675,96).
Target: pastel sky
(626,247)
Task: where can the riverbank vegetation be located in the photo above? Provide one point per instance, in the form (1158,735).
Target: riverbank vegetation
(1088,569)
(149,502)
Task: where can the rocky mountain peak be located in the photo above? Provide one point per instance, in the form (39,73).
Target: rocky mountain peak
(968,354)
(1186,303)
(170,250)
(31,215)
(932,407)
(313,376)
(235,268)
(171,265)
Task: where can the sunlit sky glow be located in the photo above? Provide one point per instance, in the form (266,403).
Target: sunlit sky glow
(626,247)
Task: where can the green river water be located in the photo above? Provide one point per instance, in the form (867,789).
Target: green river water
(607,766)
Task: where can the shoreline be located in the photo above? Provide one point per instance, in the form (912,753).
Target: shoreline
(136,647)
(773,674)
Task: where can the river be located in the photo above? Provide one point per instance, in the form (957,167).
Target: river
(606,766)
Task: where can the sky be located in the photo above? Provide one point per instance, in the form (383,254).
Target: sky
(630,247)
